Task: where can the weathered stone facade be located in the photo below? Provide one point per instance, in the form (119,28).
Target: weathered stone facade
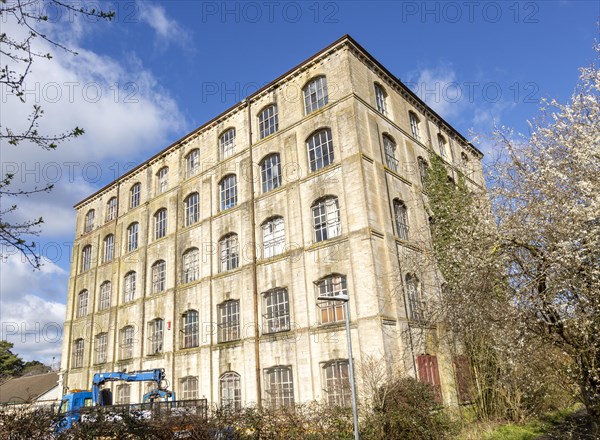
(369,250)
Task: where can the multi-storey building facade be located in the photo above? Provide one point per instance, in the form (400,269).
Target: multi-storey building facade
(207,259)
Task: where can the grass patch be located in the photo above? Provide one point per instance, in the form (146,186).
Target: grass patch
(512,431)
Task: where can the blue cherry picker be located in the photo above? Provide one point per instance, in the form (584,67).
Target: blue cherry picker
(77,402)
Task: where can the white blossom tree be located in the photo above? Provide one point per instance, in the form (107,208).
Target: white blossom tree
(546,197)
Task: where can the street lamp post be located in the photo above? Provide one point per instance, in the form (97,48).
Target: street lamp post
(345,299)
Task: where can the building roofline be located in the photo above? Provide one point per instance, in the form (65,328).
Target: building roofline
(345,38)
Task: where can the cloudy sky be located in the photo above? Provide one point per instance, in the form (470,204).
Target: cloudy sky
(160,69)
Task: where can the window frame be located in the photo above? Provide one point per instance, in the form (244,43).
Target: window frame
(442,145)
(159,276)
(414,297)
(381,99)
(126,342)
(229,253)
(189,387)
(190,323)
(320,149)
(77,353)
(191,265)
(316,95)
(101,346)
(129,286)
(228,324)
(414,122)
(279,381)
(273,237)
(82,303)
(270,172)
(228,196)
(230,385)
(337,382)
(192,208)
(111,209)
(135,193)
(332,312)
(268,121)
(156,332)
(327,223)
(86,258)
(276,310)
(401,219)
(160,223)
(227,143)
(162,180)
(105,295)
(88,225)
(389,148)
(192,163)
(133,236)
(109,248)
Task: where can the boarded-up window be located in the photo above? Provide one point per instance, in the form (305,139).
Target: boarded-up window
(427,368)
(463,378)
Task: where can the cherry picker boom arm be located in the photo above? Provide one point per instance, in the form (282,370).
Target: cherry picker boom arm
(156,375)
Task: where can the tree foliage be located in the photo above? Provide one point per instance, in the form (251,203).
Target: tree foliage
(10,363)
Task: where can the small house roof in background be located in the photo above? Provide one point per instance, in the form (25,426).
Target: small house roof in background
(27,388)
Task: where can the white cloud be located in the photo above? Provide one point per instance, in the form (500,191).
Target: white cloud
(165,28)
(32,312)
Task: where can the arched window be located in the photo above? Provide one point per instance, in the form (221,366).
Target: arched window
(230,391)
(326,218)
(276,311)
(414,125)
(111,209)
(401,217)
(280,386)
(134,195)
(127,335)
(132,237)
(228,196)
(270,172)
(155,336)
(82,303)
(89,221)
(273,237)
(192,208)
(442,145)
(337,383)
(86,258)
(229,321)
(160,224)
(315,94)
(228,253)
(129,290)
(332,286)
(159,275)
(423,170)
(465,163)
(415,303)
(191,266)
(109,248)
(101,347)
(105,291)
(268,121)
(162,182)
(192,163)
(124,394)
(320,149)
(389,146)
(227,143)
(78,346)
(381,99)
(189,327)
(189,388)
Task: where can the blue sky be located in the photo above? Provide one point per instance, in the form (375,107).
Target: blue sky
(162,68)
